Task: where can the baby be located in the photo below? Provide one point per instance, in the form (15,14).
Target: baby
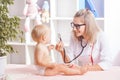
(42,35)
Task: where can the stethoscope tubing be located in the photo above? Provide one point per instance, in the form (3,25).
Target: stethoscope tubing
(77,55)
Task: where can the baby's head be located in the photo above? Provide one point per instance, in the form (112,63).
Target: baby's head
(41,33)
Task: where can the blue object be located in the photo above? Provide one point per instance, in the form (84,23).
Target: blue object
(81,4)
(90,5)
(45,6)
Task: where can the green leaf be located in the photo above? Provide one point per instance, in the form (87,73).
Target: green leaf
(9,28)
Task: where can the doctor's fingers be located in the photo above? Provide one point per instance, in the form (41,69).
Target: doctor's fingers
(59,46)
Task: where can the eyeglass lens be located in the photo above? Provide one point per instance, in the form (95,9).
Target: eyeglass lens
(77,26)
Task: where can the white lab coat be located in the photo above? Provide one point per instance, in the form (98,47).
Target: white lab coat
(101,53)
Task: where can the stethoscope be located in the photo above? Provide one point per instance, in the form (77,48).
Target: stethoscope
(83,47)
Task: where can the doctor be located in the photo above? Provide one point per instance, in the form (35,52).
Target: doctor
(88,45)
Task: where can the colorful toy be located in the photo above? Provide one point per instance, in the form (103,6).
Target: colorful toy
(31,11)
(45,12)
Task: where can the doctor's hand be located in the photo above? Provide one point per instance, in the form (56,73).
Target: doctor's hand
(59,46)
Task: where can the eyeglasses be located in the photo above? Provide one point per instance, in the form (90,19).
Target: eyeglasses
(77,26)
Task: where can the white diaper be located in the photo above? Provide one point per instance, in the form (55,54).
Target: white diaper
(41,70)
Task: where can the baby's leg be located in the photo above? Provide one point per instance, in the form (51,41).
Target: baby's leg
(69,70)
(51,71)
(62,68)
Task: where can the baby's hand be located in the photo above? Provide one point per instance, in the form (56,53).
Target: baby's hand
(50,47)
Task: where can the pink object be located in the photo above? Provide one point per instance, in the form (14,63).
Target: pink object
(27,24)
(31,11)
(29,72)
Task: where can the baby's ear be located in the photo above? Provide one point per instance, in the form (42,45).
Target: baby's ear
(40,38)
(43,37)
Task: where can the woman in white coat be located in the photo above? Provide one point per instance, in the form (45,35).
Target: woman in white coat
(88,45)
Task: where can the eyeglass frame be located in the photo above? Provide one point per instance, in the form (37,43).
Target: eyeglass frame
(77,26)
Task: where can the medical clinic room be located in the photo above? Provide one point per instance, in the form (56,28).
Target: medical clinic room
(59,40)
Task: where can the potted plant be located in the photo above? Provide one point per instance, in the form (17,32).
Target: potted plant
(9,31)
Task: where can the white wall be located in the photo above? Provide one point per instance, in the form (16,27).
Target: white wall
(112,23)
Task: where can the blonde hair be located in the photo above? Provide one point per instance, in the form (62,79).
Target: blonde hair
(38,31)
(91,29)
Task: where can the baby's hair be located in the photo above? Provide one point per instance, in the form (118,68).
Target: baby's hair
(38,31)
